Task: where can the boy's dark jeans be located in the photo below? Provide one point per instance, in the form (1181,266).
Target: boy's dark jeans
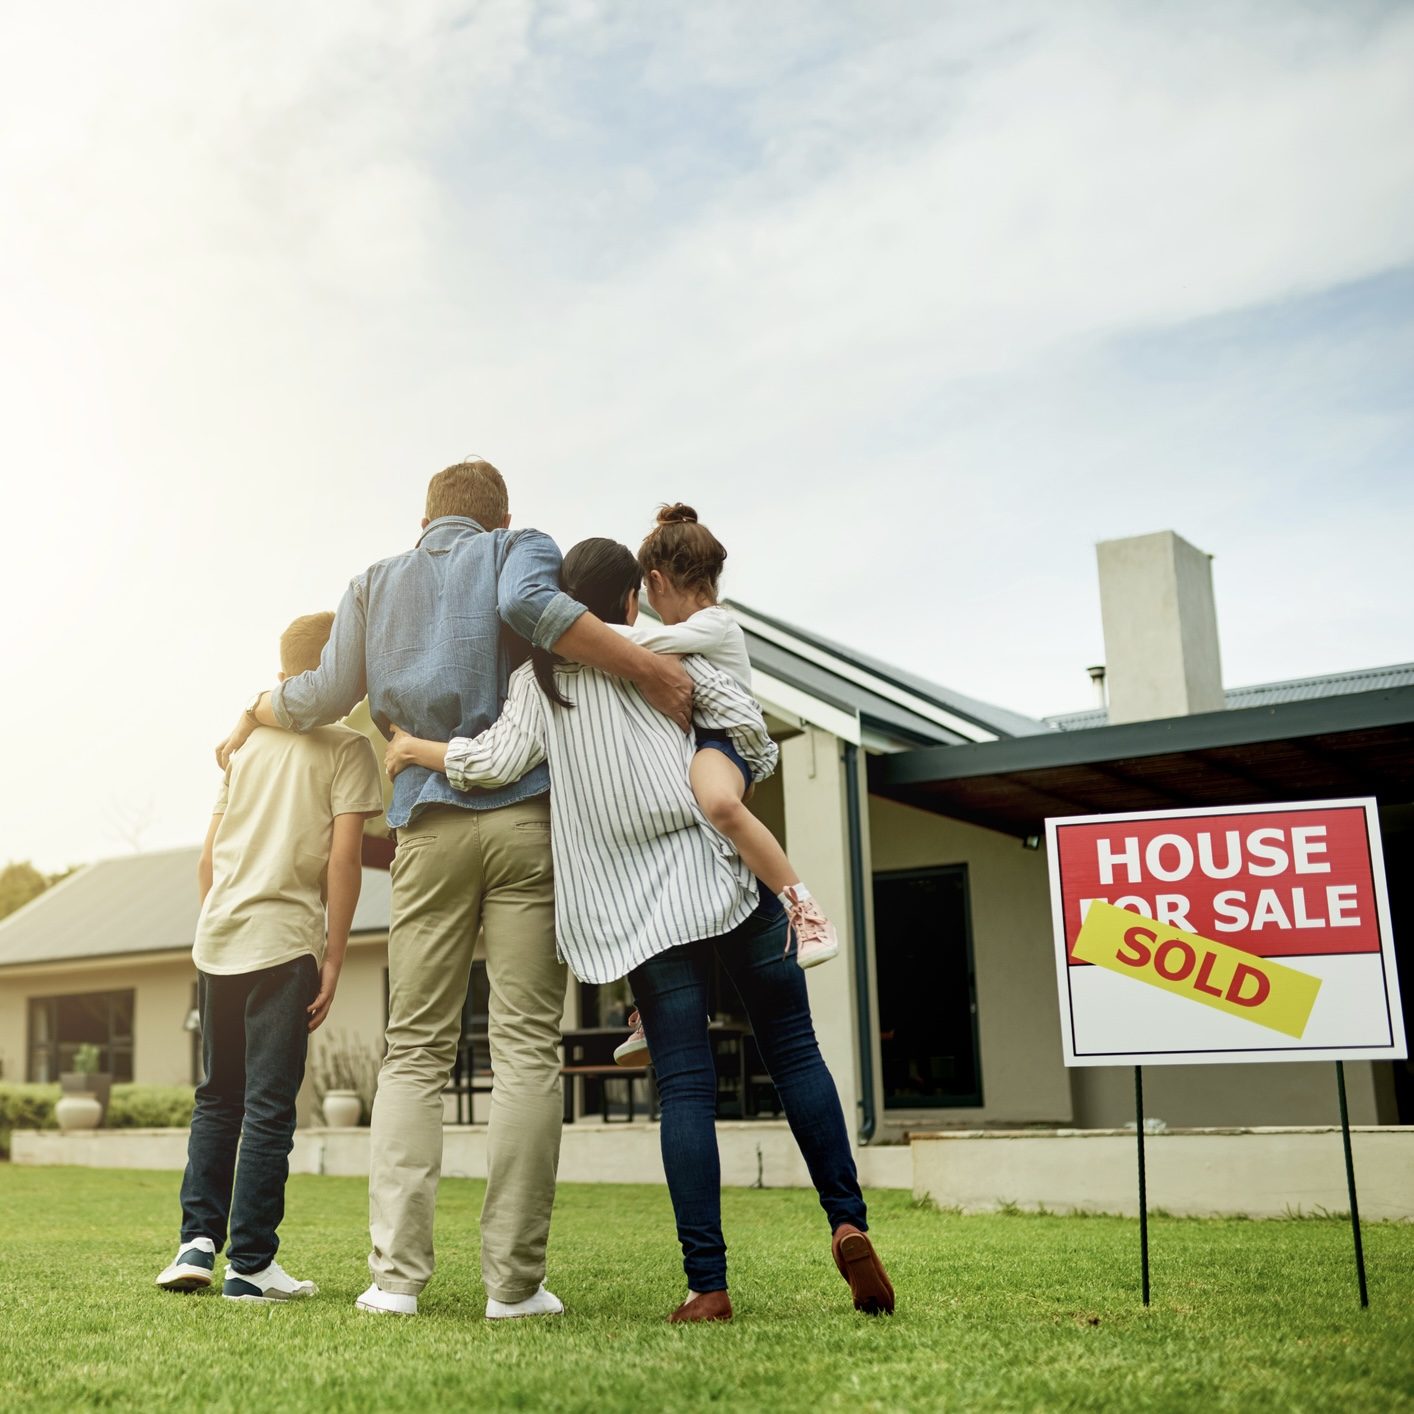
(254,1035)
(671,992)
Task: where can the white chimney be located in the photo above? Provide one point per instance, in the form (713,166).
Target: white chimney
(1161,628)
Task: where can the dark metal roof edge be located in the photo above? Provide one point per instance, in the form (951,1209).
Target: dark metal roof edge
(1234,727)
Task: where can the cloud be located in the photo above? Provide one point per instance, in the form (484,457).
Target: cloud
(914,302)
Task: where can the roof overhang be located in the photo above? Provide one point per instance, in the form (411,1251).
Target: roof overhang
(1355,745)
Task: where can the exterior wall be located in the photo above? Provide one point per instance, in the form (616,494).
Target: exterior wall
(812,772)
(1222,1096)
(162,1047)
(1018,1017)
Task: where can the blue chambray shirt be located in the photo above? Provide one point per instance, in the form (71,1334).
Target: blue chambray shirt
(431,638)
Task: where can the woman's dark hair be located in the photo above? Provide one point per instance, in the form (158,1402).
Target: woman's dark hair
(601,574)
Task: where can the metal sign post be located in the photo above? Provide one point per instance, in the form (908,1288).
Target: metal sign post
(1143,1188)
(1350,1183)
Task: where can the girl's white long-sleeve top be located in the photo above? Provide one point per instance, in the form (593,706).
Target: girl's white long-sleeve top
(637,867)
(712,632)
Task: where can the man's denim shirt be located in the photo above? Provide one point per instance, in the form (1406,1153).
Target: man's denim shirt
(431,638)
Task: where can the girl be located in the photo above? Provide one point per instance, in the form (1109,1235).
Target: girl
(681,562)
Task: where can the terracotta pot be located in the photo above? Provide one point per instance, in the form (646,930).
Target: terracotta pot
(78,1112)
(342,1109)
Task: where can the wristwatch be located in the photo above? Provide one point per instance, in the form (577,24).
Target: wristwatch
(252,705)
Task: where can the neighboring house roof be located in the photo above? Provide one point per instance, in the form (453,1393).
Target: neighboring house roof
(887,700)
(136,903)
(1269,694)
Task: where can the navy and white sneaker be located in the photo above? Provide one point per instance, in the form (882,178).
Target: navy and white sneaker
(191,1268)
(272,1284)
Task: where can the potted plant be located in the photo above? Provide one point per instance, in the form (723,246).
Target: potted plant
(84,1101)
(344,1075)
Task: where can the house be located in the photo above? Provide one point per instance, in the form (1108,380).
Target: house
(104,957)
(916,814)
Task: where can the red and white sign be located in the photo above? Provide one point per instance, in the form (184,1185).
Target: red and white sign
(1300,883)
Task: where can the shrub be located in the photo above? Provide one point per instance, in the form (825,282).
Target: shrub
(25,1107)
(338,1062)
(150,1107)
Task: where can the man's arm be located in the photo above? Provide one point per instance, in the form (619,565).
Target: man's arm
(532,604)
(204,865)
(344,882)
(658,676)
(721,703)
(320,696)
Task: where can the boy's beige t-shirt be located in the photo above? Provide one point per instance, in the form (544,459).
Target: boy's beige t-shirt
(270,858)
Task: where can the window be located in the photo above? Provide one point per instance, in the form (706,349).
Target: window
(58,1026)
(927,991)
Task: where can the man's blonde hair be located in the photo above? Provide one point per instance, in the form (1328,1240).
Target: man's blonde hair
(471,488)
(303,642)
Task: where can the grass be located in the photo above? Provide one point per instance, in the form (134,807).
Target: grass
(1004,1312)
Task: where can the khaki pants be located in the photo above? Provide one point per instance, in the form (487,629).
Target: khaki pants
(457,871)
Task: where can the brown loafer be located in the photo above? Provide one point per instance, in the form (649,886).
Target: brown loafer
(710,1306)
(860,1266)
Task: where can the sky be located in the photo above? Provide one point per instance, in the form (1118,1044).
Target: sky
(914,303)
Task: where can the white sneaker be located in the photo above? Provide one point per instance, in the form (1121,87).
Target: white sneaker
(540,1303)
(272,1284)
(191,1269)
(386,1303)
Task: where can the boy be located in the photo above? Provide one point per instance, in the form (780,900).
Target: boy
(286,835)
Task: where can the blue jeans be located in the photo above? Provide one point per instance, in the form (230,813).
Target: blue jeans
(254,1035)
(671,992)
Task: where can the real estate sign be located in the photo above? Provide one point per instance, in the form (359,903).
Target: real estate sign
(1246,933)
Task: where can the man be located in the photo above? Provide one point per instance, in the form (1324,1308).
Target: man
(431,637)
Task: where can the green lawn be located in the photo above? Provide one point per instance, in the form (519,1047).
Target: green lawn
(1005,1312)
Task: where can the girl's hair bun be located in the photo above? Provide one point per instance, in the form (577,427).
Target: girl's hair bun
(677,514)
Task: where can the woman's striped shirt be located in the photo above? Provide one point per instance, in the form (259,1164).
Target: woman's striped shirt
(637,867)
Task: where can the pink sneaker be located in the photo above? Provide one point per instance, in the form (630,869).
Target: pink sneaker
(633,1053)
(815,938)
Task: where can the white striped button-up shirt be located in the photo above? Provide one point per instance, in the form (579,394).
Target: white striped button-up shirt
(637,867)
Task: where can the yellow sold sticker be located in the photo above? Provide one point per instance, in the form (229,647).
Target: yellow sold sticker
(1215,974)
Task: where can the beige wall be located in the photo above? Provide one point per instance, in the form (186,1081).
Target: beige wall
(1222,1096)
(1023,1079)
(812,773)
(162,1049)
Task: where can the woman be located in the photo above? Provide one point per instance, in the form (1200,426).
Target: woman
(645,887)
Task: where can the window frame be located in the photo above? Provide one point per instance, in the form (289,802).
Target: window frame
(118,1044)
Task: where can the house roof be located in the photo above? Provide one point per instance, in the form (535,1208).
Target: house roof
(1353,744)
(1269,694)
(135,903)
(899,705)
